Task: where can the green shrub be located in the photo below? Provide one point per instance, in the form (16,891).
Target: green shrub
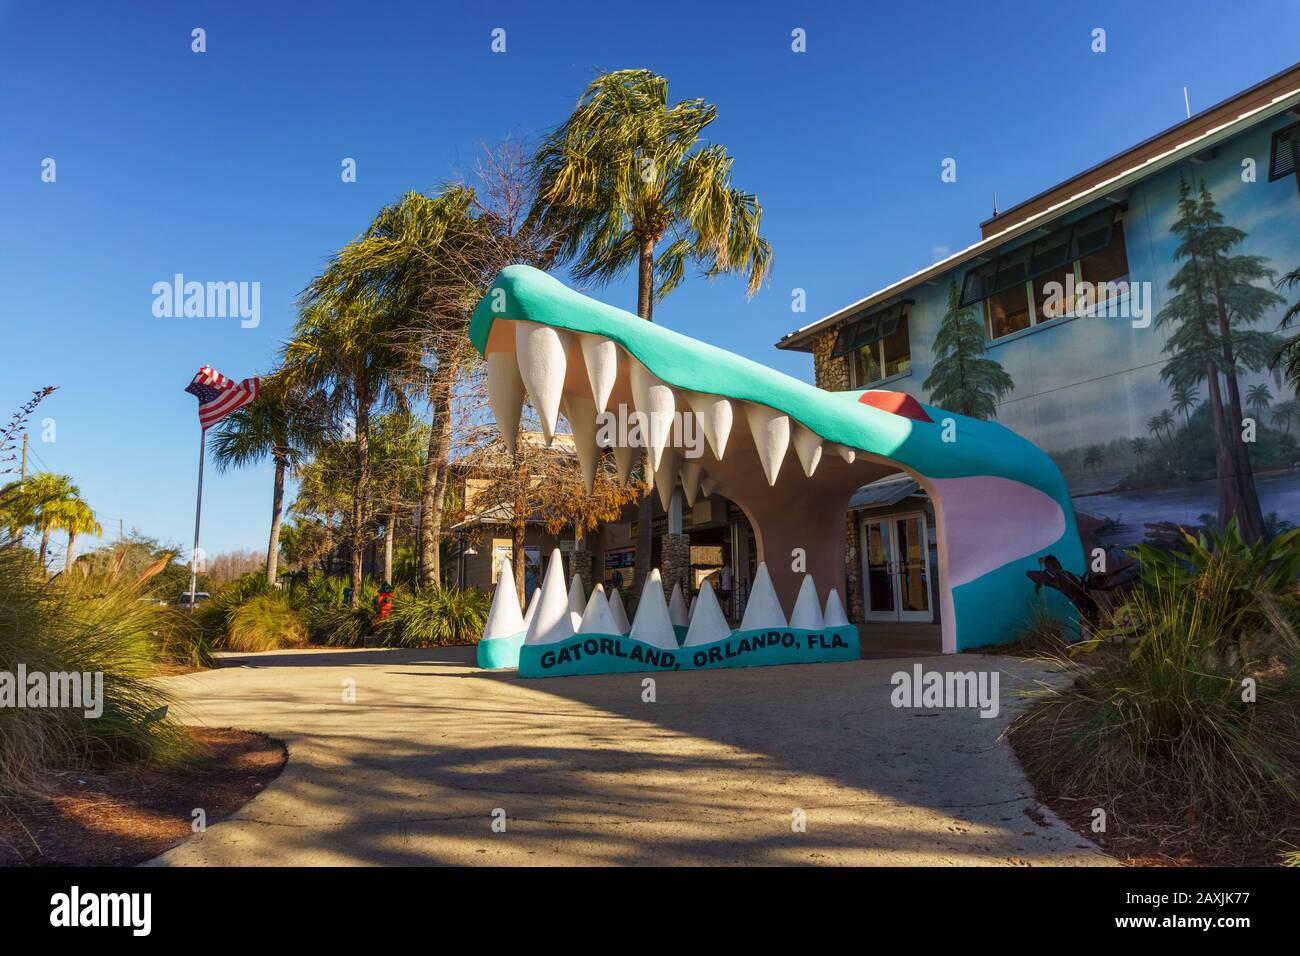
(88,621)
(215,616)
(1164,722)
(436,617)
(266,622)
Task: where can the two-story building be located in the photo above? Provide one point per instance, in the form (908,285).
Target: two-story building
(1128,318)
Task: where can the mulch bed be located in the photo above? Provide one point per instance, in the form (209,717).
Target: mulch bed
(127,815)
(1144,829)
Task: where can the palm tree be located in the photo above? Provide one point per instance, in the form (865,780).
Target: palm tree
(282,424)
(1159,424)
(1284,413)
(42,498)
(397,452)
(1139,446)
(1288,353)
(1258,398)
(1093,457)
(624,173)
(76,518)
(348,349)
(1185,398)
(429,259)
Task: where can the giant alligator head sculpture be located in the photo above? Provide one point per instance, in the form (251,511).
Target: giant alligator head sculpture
(790,455)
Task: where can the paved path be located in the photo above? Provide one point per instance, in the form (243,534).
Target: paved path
(587,773)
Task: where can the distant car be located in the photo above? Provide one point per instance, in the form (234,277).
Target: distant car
(191,598)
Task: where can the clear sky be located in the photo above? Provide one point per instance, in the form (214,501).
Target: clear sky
(225,166)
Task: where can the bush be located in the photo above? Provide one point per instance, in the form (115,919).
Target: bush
(215,616)
(267,622)
(437,617)
(88,622)
(1162,728)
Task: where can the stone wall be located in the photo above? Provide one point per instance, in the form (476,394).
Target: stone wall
(829,373)
(675,564)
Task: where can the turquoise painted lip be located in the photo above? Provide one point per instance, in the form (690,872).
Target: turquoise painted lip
(952,446)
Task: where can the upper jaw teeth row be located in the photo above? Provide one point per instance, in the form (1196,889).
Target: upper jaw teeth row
(539,367)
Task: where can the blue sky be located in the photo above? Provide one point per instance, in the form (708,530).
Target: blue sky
(225,166)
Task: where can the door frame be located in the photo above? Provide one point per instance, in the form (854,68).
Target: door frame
(897,614)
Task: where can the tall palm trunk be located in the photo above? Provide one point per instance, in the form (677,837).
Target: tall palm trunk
(45,545)
(362,490)
(71,556)
(435,471)
(645,508)
(390,533)
(277,511)
(1251,513)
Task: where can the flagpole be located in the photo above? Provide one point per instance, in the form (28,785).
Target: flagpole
(198,510)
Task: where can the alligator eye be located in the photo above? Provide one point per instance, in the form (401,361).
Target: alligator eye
(899,403)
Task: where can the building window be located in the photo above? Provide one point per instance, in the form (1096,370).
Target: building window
(876,346)
(1034,283)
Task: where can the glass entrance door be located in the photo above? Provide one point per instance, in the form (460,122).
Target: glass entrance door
(896,568)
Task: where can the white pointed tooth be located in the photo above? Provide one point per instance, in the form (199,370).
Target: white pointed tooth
(808,446)
(505,394)
(708,486)
(577,602)
(551,621)
(601,357)
(618,613)
(624,457)
(771,431)
(834,616)
(715,416)
(666,477)
(581,413)
(845,452)
(692,472)
(690,611)
(597,619)
(532,607)
(652,625)
(807,611)
(677,612)
(541,352)
(504,619)
(708,623)
(762,610)
(654,400)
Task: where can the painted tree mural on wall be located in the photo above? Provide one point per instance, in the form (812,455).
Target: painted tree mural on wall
(964,379)
(1215,302)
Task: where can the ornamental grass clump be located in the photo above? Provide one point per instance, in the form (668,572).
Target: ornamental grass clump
(434,617)
(1193,730)
(87,623)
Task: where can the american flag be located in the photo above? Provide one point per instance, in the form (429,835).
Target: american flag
(219,396)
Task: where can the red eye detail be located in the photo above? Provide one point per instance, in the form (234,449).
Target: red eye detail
(900,403)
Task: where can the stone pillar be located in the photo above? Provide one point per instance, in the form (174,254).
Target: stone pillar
(580,564)
(675,566)
(855,600)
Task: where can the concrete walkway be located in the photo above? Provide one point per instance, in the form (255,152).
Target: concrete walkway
(587,773)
